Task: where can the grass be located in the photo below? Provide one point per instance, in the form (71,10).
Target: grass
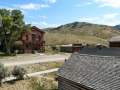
(83,32)
(43,84)
(42,66)
(69,38)
(50,75)
(49,50)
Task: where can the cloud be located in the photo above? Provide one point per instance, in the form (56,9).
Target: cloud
(32,6)
(84,4)
(31,16)
(112,23)
(8,8)
(51,1)
(44,24)
(89,19)
(111,3)
(109,16)
(42,16)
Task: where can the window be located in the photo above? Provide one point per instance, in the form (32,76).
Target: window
(33,37)
(39,38)
(39,46)
(26,37)
(26,46)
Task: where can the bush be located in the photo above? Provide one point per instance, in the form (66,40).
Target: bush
(15,52)
(4,71)
(18,72)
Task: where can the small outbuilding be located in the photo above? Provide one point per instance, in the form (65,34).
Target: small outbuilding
(114,41)
(71,48)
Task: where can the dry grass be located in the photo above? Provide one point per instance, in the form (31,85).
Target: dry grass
(31,68)
(34,83)
(43,83)
(18,85)
(46,81)
(88,33)
(42,66)
(53,39)
(50,75)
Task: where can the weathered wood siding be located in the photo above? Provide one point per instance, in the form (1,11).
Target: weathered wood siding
(64,84)
(114,44)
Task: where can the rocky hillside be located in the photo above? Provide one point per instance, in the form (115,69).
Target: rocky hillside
(80,32)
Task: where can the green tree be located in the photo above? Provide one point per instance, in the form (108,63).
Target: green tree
(12,27)
(4,71)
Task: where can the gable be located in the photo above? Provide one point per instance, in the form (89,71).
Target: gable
(37,29)
(97,72)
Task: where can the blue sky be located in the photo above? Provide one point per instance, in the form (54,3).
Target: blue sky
(53,13)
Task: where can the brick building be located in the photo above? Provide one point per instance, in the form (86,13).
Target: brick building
(33,41)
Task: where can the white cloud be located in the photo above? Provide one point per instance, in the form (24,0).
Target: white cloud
(8,8)
(31,16)
(89,19)
(42,16)
(39,23)
(83,4)
(78,5)
(112,23)
(32,6)
(51,1)
(111,3)
(88,3)
(44,24)
(109,16)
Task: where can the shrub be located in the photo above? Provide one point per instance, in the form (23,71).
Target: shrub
(4,71)
(18,72)
(15,52)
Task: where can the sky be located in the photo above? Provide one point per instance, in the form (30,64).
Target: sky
(53,13)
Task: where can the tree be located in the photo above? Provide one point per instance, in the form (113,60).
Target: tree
(18,72)
(3,72)
(12,27)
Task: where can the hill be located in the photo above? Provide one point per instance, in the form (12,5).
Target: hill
(117,27)
(80,32)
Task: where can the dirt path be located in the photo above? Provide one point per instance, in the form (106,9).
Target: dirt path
(37,59)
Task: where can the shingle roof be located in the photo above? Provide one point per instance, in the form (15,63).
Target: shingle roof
(115,39)
(111,51)
(97,72)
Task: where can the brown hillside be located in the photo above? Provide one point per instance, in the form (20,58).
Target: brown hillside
(80,32)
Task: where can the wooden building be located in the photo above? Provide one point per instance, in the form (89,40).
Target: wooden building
(90,71)
(114,41)
(70,48)
(33,41)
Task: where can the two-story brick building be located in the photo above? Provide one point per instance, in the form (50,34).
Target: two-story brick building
(33,41)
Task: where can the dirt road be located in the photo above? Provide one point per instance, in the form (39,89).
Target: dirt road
(37,59)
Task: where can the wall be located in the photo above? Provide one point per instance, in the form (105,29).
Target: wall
(64,84)
(114,44)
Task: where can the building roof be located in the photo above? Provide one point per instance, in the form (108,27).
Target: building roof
(96,72)
(104,51)
(36,28)
(115,39)
(68,45)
